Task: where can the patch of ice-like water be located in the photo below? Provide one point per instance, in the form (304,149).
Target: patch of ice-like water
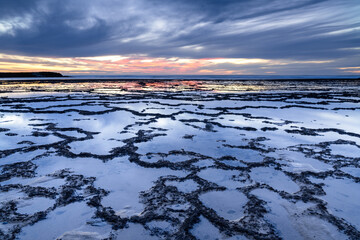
(342,197)
(134,231)
(161,225)
(204,163)
(275,178)
(227,204)
(98,145)
(43,181)
(226,178)
(12,195)
(78,213)
(345,150)
(33,205)
(47,182)
(297,162)
(78,235)
(207,231)
(186,186)
(290,221)
(354,171)
(94,229)
(233,163)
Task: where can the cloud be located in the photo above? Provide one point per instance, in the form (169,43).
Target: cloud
(265,29)
(137,64)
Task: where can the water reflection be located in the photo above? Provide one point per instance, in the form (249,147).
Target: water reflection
(108,160)
(121,86)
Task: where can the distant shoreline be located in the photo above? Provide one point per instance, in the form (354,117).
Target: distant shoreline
(30,74)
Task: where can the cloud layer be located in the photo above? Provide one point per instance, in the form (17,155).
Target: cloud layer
(297,30)
(117,64)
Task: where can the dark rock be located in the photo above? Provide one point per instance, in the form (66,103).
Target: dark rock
(30,74)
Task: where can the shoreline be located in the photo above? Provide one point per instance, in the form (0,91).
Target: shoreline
(31,75)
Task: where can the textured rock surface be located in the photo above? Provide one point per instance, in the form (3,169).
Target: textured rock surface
(180,165)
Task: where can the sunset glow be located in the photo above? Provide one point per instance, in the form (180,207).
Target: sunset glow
(145,37)
(140,64)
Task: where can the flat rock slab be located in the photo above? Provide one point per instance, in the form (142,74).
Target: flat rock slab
(260,164)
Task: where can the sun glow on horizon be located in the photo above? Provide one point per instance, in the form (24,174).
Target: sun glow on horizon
(142,64)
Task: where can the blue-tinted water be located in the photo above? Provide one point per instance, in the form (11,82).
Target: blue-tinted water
(198,77)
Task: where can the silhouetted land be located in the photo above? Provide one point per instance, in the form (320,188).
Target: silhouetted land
(29,74)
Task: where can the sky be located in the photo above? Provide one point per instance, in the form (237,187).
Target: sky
(292,37)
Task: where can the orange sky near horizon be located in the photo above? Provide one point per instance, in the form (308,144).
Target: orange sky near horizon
(141,64)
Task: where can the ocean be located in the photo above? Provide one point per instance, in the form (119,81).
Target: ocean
(192,77)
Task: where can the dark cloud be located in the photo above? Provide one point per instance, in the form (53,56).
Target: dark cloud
(16,8)
(272,29)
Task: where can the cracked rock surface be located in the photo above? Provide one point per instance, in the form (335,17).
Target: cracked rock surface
(181,165)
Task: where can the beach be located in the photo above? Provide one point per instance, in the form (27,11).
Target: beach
(180,159)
